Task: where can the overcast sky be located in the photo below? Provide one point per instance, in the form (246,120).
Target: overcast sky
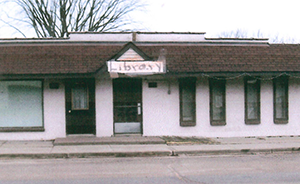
(271,17)
(275,17)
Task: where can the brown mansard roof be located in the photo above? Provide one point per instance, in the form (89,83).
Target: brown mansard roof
(88,58)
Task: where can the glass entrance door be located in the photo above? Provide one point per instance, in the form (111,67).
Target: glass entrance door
(127,106)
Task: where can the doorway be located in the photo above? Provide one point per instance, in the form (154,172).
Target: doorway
(127,95)
(80,106)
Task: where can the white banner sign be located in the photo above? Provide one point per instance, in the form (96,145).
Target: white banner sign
(136,67)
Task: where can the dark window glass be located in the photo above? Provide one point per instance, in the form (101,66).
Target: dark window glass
(281,100)
(217,102)
(187,101)
(252,101)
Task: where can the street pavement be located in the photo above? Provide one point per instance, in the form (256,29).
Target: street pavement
(138,146)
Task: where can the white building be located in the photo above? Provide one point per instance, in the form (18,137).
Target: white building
(153,84)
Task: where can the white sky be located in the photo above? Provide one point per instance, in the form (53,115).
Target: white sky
(271,17)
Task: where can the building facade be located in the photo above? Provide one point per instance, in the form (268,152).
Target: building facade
(153,84)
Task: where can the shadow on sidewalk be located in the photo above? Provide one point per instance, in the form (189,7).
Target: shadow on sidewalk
(169,140)
(176,140)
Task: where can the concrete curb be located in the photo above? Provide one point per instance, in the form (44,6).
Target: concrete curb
(107,143)
(146,153)
(35,155)
(85,155)
(238,151)
(121,154)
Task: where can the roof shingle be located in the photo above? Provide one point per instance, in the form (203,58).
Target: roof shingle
(181,58)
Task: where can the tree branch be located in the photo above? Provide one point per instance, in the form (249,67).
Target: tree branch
(55,18)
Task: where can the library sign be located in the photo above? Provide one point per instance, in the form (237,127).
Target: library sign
(136,67)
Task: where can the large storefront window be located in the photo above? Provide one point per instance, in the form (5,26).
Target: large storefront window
(21,105)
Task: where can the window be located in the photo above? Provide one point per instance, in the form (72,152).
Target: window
(217,102)
(80,99)
(280,100)
(21,106)
(187,88)
(252,101)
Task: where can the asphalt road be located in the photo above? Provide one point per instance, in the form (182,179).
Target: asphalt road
(270,168)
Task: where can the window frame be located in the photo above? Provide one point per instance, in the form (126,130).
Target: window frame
(285,80)
(212,84)
(257,88)
(32,128)
(190,83)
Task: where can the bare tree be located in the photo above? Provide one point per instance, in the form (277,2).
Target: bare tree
(55,18)
(277,39)
(241,33)
(238,33)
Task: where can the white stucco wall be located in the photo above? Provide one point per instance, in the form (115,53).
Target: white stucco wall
(161,111)
(54,111)
(104,108)
(54,117)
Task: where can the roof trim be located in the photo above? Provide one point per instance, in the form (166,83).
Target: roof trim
(135,37)
(131,45)
(44,76)
(260,39)
(204,43)
(137,32)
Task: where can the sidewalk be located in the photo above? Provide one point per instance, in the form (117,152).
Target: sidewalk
(82,147)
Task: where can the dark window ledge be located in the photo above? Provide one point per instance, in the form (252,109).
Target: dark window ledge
(187,124)
(281,122)
(22,129)
(217,123)
(252,122)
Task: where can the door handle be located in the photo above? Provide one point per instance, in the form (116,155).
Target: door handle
(139,109)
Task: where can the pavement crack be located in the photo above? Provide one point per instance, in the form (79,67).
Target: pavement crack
(181,177)
(2,143)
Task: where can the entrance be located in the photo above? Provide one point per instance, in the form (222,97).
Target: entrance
(127,106)
(80,106)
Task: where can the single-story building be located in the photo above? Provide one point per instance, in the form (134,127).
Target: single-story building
(148,83)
